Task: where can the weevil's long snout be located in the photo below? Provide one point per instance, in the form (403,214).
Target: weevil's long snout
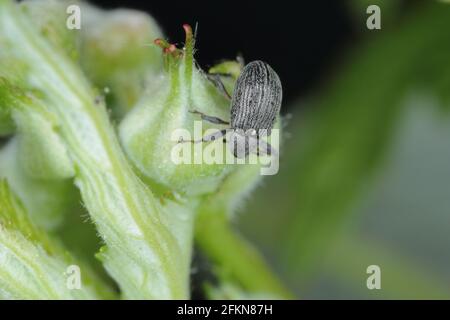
(242,143)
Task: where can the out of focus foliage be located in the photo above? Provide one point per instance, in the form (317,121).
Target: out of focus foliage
(313,216)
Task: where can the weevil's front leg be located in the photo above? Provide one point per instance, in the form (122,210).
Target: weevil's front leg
(210,137)
(264,149)
(215,78)
(211,119)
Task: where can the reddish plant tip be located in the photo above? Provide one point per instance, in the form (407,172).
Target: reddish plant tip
(161,43)
(187,29)
(172,48)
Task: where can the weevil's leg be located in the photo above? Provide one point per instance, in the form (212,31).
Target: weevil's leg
(215,78)
(210,137)
(214,136)
(265,149)
(211,119)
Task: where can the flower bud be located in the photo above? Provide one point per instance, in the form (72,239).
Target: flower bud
(117,53)
(149,132)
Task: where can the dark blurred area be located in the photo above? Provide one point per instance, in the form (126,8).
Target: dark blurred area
(300,40)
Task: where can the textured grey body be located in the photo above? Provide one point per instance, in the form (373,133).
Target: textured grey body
(256,98)
(255,105)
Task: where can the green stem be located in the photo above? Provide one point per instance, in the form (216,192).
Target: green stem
(215,237)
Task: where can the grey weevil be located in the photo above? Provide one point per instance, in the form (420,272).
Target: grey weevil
(255,104)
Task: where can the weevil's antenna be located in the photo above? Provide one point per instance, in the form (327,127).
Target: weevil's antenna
(240,59)
(195,30)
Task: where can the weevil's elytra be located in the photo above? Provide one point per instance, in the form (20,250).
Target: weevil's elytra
(256,98)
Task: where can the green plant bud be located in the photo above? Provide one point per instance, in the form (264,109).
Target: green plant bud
(116,53)
(149,132)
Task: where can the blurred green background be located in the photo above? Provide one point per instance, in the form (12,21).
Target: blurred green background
(365,171)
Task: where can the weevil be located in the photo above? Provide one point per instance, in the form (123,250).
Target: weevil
(255,104)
